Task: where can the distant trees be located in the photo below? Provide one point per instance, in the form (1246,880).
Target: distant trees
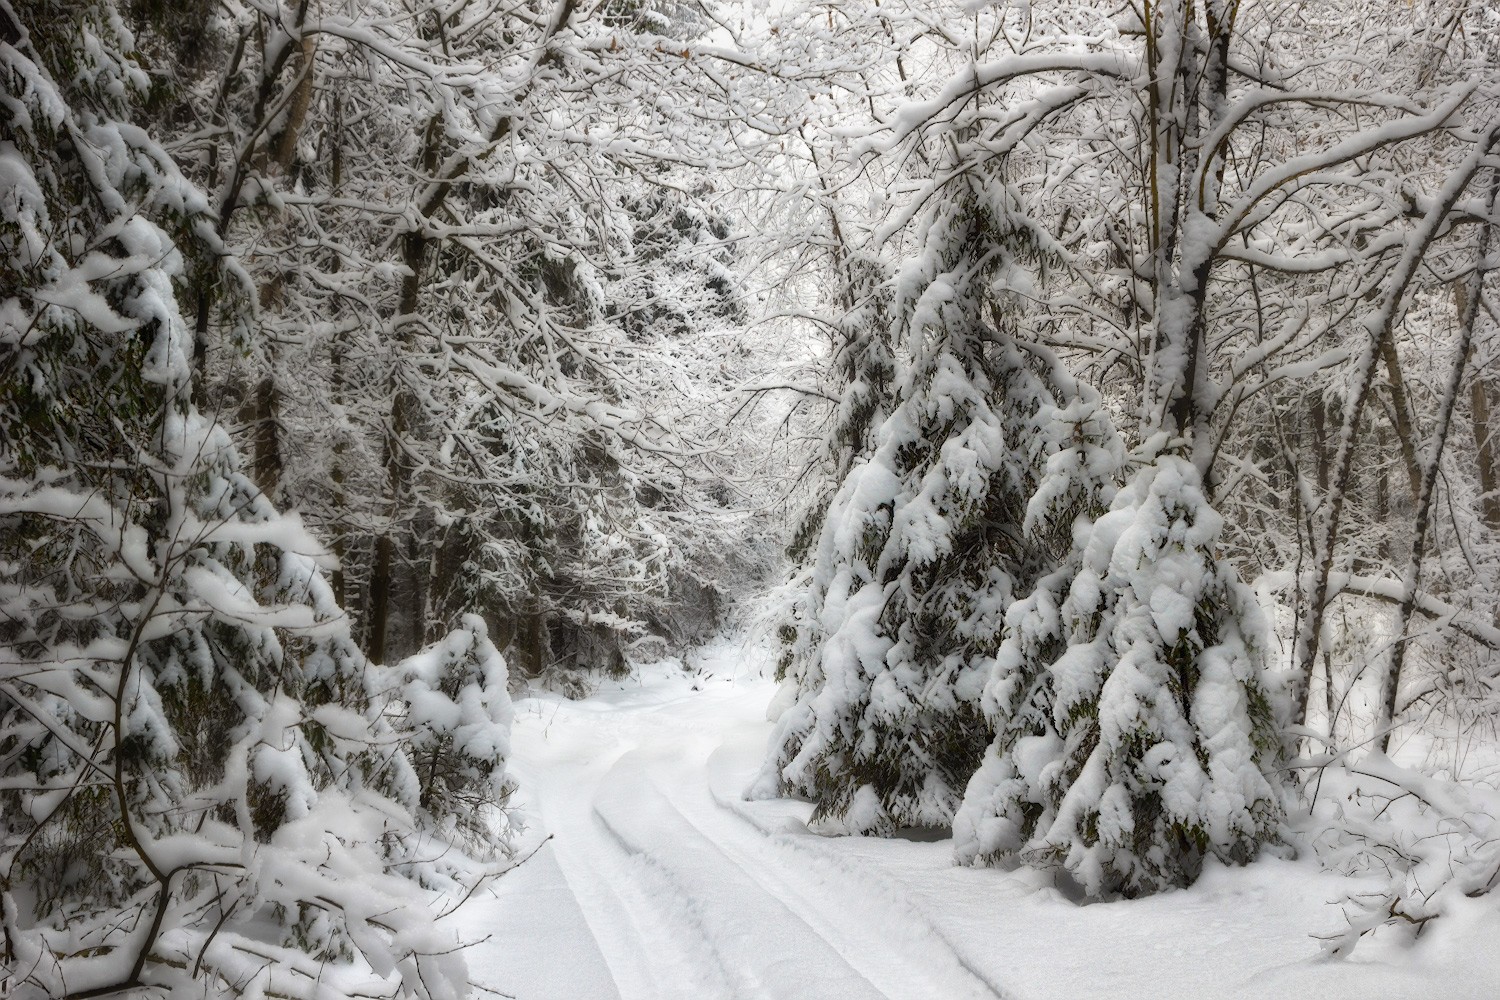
(463,278)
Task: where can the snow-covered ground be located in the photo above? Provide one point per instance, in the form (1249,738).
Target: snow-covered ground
(659,882)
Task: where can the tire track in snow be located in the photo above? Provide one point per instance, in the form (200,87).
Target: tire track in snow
(873,920)
(765,950)
(690,896)
(848,880)
(723,780)
(648,950)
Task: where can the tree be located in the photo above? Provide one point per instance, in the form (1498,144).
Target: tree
(203,776)
(1135,717)
(1229,225)
(921,549)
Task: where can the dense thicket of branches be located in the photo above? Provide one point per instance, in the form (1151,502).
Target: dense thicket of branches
(495,296)
(202,776)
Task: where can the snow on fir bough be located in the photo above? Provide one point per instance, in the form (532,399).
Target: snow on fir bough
(917,556)
(981,580)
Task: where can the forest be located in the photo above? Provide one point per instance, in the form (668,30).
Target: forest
(1072,417)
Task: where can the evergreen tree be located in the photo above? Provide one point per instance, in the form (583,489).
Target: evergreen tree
(203,777)
(866,368)
(1134,716)
(921,549)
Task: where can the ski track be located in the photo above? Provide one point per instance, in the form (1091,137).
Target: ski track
(800,863)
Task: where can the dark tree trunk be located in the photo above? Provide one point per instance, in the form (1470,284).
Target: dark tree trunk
(1479,410)
(380,598)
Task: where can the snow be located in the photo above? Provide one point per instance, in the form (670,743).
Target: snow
(661,881)
(536,942)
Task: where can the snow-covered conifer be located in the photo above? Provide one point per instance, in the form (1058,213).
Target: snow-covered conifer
(202,776)
(458,716)
(866,367)
(1134,716)
(921,549)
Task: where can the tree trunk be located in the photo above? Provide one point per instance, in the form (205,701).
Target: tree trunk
(536,630)
(1329,705)
(413,255)
(296,115)
(1479,408)
(1383,494)
(1186,102)
(380,597)
(264,412)
(336,474)
(1413,576)
(1405,431)
(1490,501)
(1320,440)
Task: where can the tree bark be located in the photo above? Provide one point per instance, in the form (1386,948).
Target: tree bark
(1405,432)
(1383,494)
(536,628)
(336,474)
(264,412)
(1320,440)
(296,114)
(1480,405)
(380,597)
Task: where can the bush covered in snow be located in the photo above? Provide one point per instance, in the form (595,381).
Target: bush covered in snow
(1420,847)
(457,717)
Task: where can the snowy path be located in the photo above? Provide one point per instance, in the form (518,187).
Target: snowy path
(660,883)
